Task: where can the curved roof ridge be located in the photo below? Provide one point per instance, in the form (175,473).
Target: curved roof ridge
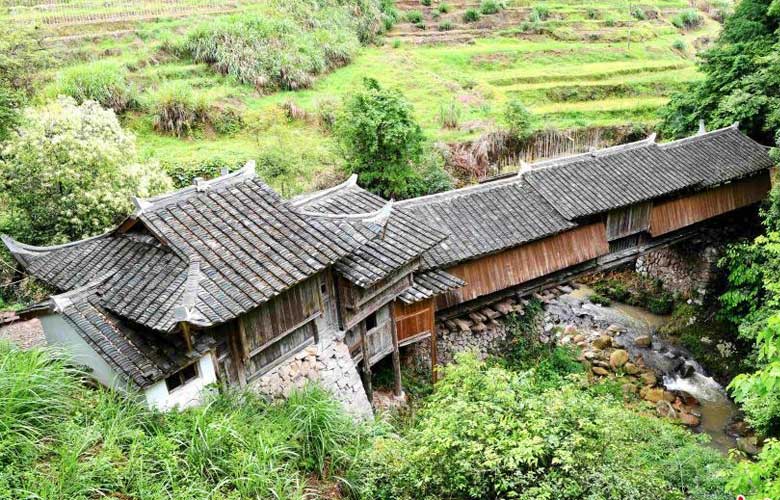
(142,205)
(375,216)
(699,136)
(62,301)
(594,153)
(17,247)
(324,193)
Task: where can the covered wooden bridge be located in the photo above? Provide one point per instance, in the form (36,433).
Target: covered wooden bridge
(225,280)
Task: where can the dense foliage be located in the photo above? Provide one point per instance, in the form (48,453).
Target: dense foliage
(69,172)
(290,43)
(385,146)
(489,432)
(742,77)
(59,439)
(752,302)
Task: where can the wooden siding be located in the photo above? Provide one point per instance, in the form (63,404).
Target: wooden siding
(414,319)
(518,265)
(279,326)
(674,214)
(628,221)
(357,303)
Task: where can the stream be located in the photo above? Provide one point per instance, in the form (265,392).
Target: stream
(673,365)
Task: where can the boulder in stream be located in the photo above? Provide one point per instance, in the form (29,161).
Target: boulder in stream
(643,341)
(618,358)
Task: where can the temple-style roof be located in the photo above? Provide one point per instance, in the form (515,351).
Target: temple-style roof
(403,237)
(250,246)
(142,356)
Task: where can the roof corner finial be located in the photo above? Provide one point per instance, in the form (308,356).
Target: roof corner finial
(200,184)
(651,138)
(524,167)
(140,205)
(352,181)
(249,168)
(224,171)
(735,125)
(702,128)
(592,150)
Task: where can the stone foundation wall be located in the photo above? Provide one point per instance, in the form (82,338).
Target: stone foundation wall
(327,363)
(688,268)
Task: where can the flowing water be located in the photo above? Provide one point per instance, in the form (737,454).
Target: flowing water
(670,362)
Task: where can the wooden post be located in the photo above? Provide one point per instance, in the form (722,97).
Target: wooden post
(397,388)
(234,341)
(185,330)
(434,360)
(366,363)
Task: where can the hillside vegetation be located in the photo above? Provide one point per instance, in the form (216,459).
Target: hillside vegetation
(206,84)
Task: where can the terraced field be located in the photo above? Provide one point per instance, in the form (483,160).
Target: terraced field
(575,64)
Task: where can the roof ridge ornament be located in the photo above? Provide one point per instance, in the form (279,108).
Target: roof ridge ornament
(735,125)
(702,128)
(299,201)
(651,138)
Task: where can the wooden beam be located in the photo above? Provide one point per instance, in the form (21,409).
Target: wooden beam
(185,331)
(434,354)
(397,387)
(366,363)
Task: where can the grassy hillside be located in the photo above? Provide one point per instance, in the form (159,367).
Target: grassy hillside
(574,64)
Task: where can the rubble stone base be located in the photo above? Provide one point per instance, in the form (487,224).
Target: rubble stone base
(327,363)
(688,268)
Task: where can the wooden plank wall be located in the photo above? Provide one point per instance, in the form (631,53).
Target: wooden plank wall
(414,319)
(674,214)
(629,220)
(291,315)
(520,264)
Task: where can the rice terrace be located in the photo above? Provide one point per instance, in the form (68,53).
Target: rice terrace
(389,249)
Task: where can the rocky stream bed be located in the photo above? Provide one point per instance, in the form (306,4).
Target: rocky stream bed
(620,342)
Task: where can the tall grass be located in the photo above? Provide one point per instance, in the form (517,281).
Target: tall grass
(101,81)
(287,47)
(62,440)
(177,109)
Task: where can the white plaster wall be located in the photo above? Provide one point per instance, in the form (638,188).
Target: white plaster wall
(189,394)
(61,334)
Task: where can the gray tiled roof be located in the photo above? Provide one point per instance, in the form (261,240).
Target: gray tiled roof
(719,156)
(484,219)
(140,355)
(403,237)
(430,283)
(591,183)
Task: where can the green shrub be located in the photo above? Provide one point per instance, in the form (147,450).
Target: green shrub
(414,16)
(679,44)
(540,13)
(177,110)
(593,13)
(471,15)
(396,44)
(445,26)
(421,25)
(610,22)
(9,112)
(601,300)
(488,432)
(103,82)
(426,3)
(661,304)
(443,8)
(518,119)
(490,7)
(687,19)
(638,13)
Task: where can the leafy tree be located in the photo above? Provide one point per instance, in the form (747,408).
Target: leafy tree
(69,172)
(742,77)
(381,140)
